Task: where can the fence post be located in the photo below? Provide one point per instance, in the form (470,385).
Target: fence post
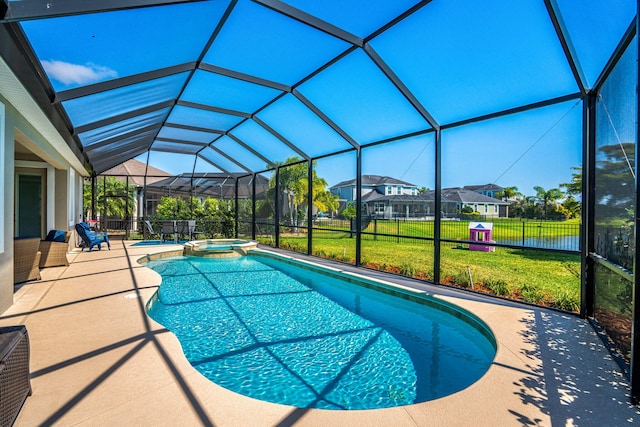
(398,229)
(375,228)
(522,233)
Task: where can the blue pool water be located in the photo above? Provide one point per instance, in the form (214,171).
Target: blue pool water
(286,334)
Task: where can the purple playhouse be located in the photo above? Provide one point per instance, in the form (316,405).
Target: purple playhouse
(481,232)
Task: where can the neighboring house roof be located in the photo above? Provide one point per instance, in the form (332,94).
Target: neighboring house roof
(136,170)
(374,180)
(376,196)
(449,195)
(485,187)
(462,195)
(466,194)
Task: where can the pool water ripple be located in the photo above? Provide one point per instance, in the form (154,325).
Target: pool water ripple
(307,340)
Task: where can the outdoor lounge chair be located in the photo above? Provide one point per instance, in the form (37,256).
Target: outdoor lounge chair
(193,231)
(54,249)
(168,228)
(182,230)
(26,258)
(150,230)
(91,238)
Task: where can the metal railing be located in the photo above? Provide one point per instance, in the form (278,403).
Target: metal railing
(534,234)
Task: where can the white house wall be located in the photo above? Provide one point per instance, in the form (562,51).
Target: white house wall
(23,120)
(61,191)
(6,236)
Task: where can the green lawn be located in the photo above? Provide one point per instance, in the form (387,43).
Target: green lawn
(535,276)
(503,228)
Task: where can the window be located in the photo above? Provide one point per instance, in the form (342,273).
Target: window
(486,208)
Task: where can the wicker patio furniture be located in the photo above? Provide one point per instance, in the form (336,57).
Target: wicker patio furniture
(26,259)
(15,384)
(54,253)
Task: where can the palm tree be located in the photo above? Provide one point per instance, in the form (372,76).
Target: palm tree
(292,186)
(548,196)
(119,202)
(508,193)
(574,187)
(294,189)
(322,199)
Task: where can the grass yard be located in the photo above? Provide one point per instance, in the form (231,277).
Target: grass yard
(536,276)
(503,228)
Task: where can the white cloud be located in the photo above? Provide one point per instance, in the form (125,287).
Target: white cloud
(67,73)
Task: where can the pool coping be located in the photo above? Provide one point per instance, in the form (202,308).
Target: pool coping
(550,367)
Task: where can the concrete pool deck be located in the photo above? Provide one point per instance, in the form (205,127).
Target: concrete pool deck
(97,359)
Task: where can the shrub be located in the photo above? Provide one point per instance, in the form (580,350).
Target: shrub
(265,240)
(461,279)
(407,269)
(566,301)
(531,294)
(344,258)
(498,287)
(292,246)
(320,253)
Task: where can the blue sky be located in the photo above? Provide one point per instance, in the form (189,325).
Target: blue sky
(536,148)
(460,59)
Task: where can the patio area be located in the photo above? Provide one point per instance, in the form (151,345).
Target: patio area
(97,359)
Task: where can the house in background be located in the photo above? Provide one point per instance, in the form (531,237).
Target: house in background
(387,198)
(384,185)
(486,206)
(489,190)
(383,197)
(419,206)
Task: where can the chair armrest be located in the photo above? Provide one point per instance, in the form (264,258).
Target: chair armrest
(53,253)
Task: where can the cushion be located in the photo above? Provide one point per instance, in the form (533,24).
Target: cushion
(56,236)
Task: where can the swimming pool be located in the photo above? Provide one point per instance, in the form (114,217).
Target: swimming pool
(285,333)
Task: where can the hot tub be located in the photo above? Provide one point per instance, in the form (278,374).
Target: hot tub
(219,248)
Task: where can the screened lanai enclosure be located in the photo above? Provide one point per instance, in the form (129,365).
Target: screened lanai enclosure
(489,145)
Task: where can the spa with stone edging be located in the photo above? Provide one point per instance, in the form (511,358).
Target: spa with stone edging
(219,248)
